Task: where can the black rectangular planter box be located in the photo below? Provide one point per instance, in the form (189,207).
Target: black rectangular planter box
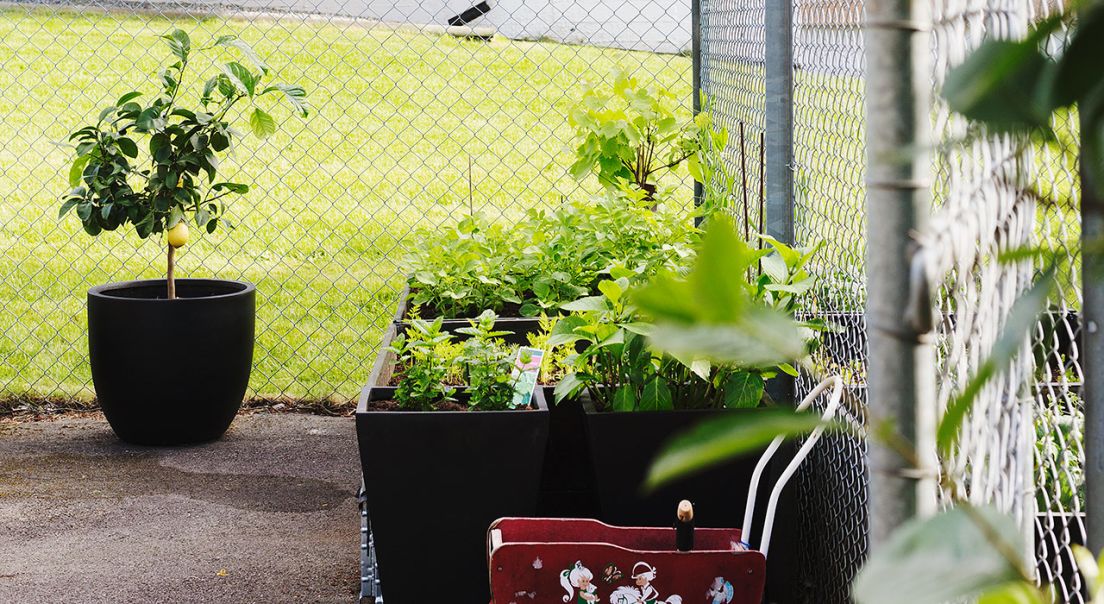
(622,447)
(567,479)
(520,326)
(435,481)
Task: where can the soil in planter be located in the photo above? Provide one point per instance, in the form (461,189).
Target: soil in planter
(429,313)
(390,405)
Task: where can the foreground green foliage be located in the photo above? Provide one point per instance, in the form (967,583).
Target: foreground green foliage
(965,552)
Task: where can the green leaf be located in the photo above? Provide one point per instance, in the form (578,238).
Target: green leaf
(179,43)
(1078,70)
(623,399)
(1090,570)
(1016,592)
(997,84)
(743,390)
(1021,320)
(656,396)
(77,170)
(67,206)
(763,338)
(128,147)
(295,95)
(712,315)
(150,119)
(233,187)
(948,557)
(590,303)
(262,124)
(240,77)
(130,96)
(245,49)
(568,387)
(610,289)
(719,440)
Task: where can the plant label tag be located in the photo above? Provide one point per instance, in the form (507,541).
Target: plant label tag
(527,366)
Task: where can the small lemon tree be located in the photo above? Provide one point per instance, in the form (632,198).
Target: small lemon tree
(111,187)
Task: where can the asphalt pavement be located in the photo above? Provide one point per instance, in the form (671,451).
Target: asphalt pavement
(266,514)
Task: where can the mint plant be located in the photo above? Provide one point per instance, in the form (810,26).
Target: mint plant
(489,364)
(177,182)
(425,370)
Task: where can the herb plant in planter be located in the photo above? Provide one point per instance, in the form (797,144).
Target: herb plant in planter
(543,261)
(630,389)
(147,390)
(447,447)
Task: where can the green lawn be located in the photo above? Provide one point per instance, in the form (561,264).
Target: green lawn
(398,114)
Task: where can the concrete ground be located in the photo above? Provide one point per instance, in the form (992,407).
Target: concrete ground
(267,514)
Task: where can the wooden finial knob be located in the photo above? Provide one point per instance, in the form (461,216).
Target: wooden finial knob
(685,511)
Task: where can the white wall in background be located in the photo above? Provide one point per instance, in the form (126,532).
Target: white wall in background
(653,25)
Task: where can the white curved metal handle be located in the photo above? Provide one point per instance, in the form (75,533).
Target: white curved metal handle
(836,384)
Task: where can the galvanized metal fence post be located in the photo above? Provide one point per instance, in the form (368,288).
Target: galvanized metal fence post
(696,66)
(901,369)
(779,65)
(1092,363)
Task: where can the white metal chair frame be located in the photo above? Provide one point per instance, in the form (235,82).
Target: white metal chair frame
(836,384)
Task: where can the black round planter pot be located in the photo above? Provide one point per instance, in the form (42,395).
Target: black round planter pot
(171,372)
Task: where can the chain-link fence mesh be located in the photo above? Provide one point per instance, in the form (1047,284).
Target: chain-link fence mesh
(1022,447)
(829,198)
(410,128)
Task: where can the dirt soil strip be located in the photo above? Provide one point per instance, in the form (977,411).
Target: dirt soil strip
(267,514)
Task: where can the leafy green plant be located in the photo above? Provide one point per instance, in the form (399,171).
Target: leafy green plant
(1058,466)
(464,269)
(556,363)
(545,260)
(431,366)
(630,132)
(962,553)
(425,370)
(488,364)
(621,372)
(112,188)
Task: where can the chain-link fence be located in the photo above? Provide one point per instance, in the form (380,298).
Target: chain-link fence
(1022,446)
(411,127)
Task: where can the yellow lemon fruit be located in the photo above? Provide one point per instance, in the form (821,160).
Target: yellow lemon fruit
(178,235)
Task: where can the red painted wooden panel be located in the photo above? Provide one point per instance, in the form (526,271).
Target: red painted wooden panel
(584,562)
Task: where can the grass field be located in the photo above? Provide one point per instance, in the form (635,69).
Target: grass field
(401,119)
(397,116)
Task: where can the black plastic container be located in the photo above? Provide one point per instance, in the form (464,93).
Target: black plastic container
(171,372)
(435,481)
(567,479)
(622,447)
(520,326)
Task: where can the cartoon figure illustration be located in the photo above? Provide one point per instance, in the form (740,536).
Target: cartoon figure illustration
(720,591)
(579,577)
(644,592)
